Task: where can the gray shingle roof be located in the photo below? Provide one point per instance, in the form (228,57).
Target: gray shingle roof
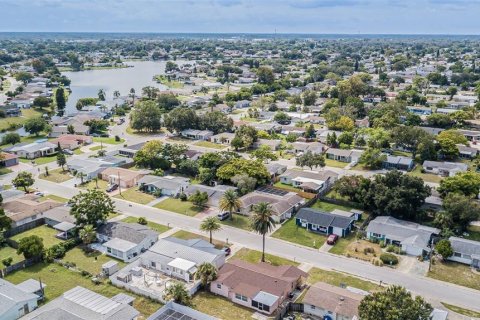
(323,218)
(465,246)
(131,232)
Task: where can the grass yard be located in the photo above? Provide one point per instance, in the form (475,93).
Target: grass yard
(357,249)
(428,177)
(59,279)
(134,195)
(91,262)
(4,170)
(77,151)
(7,252)
(336,278)
(208,144)
(238,221)
(6,123)
(286,187)
(92,184)
(329,207)
(109,140)
(342,244)
(335,163)
(42,160)
(220,307)
(160,228)
(473,233)
(254,256)
(53,197)
(462,311)
(176,205)
(44,232)
(95,148)
(57,175)
(454,272)
(292,233)
(182,234)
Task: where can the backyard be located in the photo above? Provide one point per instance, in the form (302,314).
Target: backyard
(454,272)
(91,262)
(220,307)
(329,207)
(176,205)
(9,252)
(135,195)
(254,256)
(289,231)
(6,123)
(57,175)
(160,228)
(286,187)
(238,221)
(44,232)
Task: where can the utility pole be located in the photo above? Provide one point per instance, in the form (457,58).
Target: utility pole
(119,187)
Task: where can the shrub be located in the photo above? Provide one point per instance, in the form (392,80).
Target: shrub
(389,259)
(382,244)
(117,138)
(368,250)
(142,221)
(391,248)
(7,262)
(183,197)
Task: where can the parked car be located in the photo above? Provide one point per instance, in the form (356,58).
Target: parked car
(112,187)
(223,216)
(38,193)
(68,151)
(227,251)
(332,239)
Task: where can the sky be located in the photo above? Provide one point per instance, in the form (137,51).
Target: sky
(243,16)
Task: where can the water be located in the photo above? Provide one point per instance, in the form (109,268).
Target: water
(87,83)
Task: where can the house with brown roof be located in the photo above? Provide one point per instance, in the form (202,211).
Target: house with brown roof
(72,141)
(125,178)
(260,286)
(27,208)
(8,159)
(330,302)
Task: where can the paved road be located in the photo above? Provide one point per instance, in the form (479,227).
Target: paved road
(429,288)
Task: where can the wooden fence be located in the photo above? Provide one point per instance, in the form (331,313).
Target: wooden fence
(24,227)
(20,265)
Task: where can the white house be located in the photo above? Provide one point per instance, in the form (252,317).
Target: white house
(15,302)
(465,251)
(40,148)
(197,134)
(446,169)
(167,185)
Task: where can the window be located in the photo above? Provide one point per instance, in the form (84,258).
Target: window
(457,254)
(219,286)
(312,307)
(109,250)
(153,264)
(240,297)
(376,235)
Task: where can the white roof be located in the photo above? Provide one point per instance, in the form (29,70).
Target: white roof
(64,226)
(91,300)
(182,264)
(120,244)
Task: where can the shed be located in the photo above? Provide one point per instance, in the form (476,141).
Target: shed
(110,267)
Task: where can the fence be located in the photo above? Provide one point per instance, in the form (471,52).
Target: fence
(24,227)
(341,202)
(289,307)
(20,265)
(11,243)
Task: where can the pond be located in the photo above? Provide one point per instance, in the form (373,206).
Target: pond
(87,83)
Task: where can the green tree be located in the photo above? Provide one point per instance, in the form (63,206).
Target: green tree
(409,138)
(459,211)
(245,136)
(154,154)
(70,129)
(262,221)
(91,207)
(373,158)
(11,138)
(101,94)
(206,273)
(35,125)
(310,132)
(177,292)
(309,98)
(230,202)
(60,99)
(448,141)
(24,179)
(167,101)
(31,246)
(87,234)
(282,118)
(444,248)
(180,119)
(61,160)
(210,225)
(310,159)
(352,187)
(252,168)
(265,75)
(426,149)
(198,198)
(5,221)
(23,76)
(244,183)
(466,183)
(264,153)
(394,304)
(146,117)
(41,102)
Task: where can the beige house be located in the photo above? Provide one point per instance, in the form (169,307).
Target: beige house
(125,178)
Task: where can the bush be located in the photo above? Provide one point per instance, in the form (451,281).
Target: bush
(391,248)
(382,244)
(7,262)
(183,197)
(117,138)
(142,221)
(368,250)
(56,251)
(389,259)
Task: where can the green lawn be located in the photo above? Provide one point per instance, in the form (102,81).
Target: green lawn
(220,307)
(92,184)
(341,245)
(59,279)
(91,262)
(335,163)
(176,205)
(182,234)
(238,221)
(160,228)
(5,123)
(41,160)
(57,175)
(289,231)
(7,252)
(428,177)
(286,187)
(77,151)
(95,148)
(254,256)
(4,170)
(462,311)
(336,278)
(44,232)
(208,144)
(109,140)
(134,195)
(454,272)
(473,233)
(53,197)
(329,207)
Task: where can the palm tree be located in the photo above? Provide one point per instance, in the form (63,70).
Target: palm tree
(101,94)
(116,94)
(81,175)
(230,202)
(96,182)
(206,273)
(210,224)
(262,221)
(132,95)
(178,292)
(87,234)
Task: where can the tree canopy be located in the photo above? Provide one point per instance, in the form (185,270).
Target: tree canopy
(91,207)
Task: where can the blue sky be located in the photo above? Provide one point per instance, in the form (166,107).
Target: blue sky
(246,16)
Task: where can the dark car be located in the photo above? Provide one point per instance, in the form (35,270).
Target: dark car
(332,239)
(223,216)
(227,251)
(113,187)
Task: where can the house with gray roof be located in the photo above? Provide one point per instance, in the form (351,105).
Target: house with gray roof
(175,311)
(91,167)
(312,181)
(466,152)
(167,185)
(343,155)
(223,138)
(444,169)
(125,241)
(197,134)
(413,238)
(398,163)
(37,149)
(323,222)
(274,144)
(214,193)
(302,147)
(131,150)
(15,302)
(80,303)
(465,251)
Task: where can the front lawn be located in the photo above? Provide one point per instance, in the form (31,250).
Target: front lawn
(462,311)
(337,278)
(9,252)
(42,160)
(290,232)
(238,221)
(53,197)
(254,256)
(360,249)
(94,184)
(57,176)
(135,195)
(342,244)
(4,170)
(428,177)
(176,205)
(208,144)
(77,151)
(220,307)
(335,163)
(455,272)
(95,148)
(59,279)
(109,140)
(91,262)
(6,123)
(185,235)
(44,232)
(160,228)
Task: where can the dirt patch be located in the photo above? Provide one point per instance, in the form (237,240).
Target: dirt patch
(363,250)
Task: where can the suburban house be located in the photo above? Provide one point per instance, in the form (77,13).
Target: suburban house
(37,149)
(302,147)
(323,222)
(343,155)
(274,144)
(180,258)
(15,302)
(242,104)
(125,178)
(175,311)
(58,215)
(445,169)
(197,134)
(353,213)
(72,141)
(398,163)
(322,134)
(214,193)
(420,110)
(466,152)
(130,151)
(27,208)
(283,203)
(465,251)
(223,138)
(471,135)
(414,239)
(275,169)
(80,303)
(8,160)
(91,167)
(126,241)
(315,181)
(167,185)
(259,286)
(330,302)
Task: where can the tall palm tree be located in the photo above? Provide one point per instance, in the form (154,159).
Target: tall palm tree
(178,292)
(116,94)
(206,273)
(210,224)
(230,202)
(132,95)
(101,94)
(87,234)
(81,175)
(262,221)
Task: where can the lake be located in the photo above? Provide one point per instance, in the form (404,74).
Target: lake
(87,83)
